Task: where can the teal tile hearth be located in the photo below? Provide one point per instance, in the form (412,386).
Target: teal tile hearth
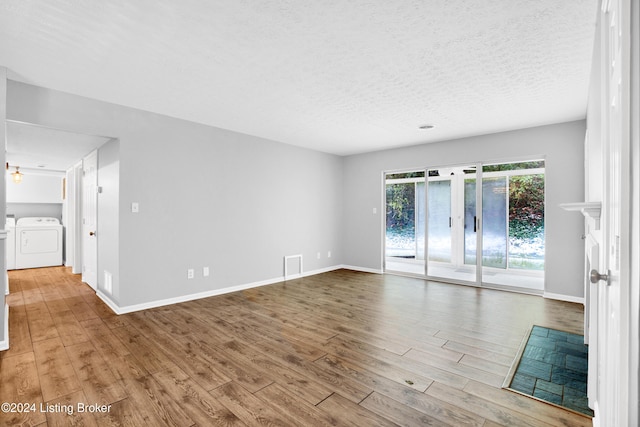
(553,368)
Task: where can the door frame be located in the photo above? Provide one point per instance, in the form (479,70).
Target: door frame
(89,207)
(615,386)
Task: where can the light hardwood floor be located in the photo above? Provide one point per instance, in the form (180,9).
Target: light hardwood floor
(342,348)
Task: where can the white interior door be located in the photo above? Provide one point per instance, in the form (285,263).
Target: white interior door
(90,219)
(611,400)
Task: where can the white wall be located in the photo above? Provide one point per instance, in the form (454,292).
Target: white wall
(207,197)
(34,188)
(562,147)
(109,207)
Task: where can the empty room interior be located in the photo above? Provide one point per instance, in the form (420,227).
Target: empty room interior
(320,213)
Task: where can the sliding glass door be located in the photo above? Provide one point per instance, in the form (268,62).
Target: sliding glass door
(438,218)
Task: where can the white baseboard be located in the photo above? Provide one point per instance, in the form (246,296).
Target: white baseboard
(561,297)
(4,344)
(214,292)
(362,269)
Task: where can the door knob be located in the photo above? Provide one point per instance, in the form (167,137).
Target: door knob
(92,233)
(596,277)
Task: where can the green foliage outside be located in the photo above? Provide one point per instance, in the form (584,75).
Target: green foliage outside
(513,166)
(401,206)
(526,206)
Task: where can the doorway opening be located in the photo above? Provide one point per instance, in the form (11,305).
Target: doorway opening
(57,155)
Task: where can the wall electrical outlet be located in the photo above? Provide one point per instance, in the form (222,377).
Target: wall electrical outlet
(205,271)
(191,273)
(318,255)
(329,254)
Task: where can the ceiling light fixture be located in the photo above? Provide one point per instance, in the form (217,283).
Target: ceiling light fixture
(426,127)
(17,176)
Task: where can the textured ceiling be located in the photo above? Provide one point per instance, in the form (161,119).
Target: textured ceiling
(332,75)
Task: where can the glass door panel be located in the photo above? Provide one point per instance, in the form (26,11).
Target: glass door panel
(447,212)
(470,222)
(405,223)
(400,239)
(420,220)
(440,221)
(494,222)
(526,222)
(513,225)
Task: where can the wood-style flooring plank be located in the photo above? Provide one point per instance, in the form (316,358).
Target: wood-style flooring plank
(351,413)
(303,413)
(399,413)
(41,324)
(248,408)
(20,383)
(143,349)
(532,407)
(102,337)
(126,413)
(479,343)
(395,372)
(69,328)
(345,385)
(57,376)
(199,405)
(497,413)
(303,385)
(151,399)
(97,380)
(491,356)
(248,375)
(406,395)
(80,309)
(64,411)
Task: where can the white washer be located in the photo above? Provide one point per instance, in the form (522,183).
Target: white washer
(10,245)
(38,242)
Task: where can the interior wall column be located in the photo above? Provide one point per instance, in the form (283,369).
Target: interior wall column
(4,288)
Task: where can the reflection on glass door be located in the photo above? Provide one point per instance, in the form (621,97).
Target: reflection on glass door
(440,220)
(494,222)
(470,221)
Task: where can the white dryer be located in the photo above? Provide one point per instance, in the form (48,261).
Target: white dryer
(38,242)
(10,243)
